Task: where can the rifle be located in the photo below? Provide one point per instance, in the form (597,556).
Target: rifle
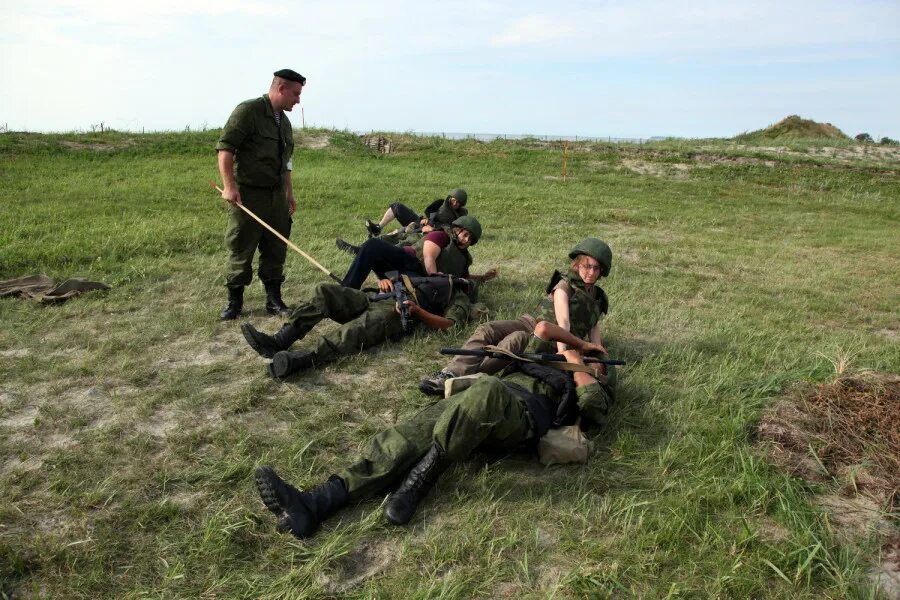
(528,356)
(400,296)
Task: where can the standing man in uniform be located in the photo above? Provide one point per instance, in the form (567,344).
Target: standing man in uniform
(254,156)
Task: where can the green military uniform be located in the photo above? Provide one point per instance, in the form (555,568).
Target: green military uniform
(262,150)
(364,323)
(586,307)
(487,414)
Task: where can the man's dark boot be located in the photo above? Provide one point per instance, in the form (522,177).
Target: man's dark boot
(346,246)
(300,512)
(269,345)
(235,304)
(274,304)
(285,363)
(402,504)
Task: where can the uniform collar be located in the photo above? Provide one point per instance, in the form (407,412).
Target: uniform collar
(270,112)
(575,280)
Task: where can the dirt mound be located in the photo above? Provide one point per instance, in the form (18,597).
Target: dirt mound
(795,127)
(847,431)
(847,428)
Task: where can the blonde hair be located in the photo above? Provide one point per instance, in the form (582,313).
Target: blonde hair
(573,268)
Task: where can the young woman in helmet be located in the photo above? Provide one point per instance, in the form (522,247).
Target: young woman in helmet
(577,302)
(574,301)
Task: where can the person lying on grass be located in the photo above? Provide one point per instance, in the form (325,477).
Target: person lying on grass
(442,211)
(507,413)
(440,251)
(574,301)
(440,302)
(440,214)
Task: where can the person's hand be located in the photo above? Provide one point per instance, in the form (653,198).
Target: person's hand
(411,307)
(587,347)
(489,274)
(292,205)
(427,228)
(423,221)
(231,195)
(385,285)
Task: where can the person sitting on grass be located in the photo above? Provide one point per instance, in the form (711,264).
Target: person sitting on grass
(506,413)
(574,301)
(440,302)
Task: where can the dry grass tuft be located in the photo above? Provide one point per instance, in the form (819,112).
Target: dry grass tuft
(850,426)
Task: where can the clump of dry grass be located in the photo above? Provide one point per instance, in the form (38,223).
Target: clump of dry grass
(850,425)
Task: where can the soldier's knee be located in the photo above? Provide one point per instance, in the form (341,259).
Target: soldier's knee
(480,396)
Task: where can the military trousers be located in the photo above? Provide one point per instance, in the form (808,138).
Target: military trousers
(486,415)
(380,256)
(513,335)
(244,235)
(363,323)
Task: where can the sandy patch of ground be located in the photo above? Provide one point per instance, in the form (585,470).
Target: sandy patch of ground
(366,560)
(21,418)
(15,353)
(849,154)
(657,169)
(314,142)
(159,424)
(96,146)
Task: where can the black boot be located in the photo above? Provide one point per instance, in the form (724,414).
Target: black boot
(346,246)
(434,385)
(402,504)
(268,345)
(274,304)
(374,229)
(285,363)
(300,512)
(235,304)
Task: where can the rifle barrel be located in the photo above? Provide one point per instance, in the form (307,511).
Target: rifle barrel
(530,356)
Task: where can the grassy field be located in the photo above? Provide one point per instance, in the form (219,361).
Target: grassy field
(131,420)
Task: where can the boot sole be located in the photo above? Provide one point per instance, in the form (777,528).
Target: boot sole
(264,476)
(247,330)
(280,366)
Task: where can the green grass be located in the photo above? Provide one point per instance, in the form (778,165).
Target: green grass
(131,420)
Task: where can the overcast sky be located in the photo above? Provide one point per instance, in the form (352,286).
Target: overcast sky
(636,68)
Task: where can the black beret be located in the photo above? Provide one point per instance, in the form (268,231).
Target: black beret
(290,75)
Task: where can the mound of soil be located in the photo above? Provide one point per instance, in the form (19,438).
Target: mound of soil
(847,431)
(850,427)
(795,127)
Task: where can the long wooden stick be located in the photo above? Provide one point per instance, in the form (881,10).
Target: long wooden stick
(289,243)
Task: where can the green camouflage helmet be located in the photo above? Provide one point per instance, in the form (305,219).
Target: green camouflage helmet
(471,225)
(460,194)
(596,249)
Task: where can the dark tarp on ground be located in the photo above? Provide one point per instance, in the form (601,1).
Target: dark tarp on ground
(41,288)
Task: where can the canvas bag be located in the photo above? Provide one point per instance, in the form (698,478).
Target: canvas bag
(564,445)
